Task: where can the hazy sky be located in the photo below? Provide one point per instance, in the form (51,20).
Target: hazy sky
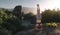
(31,3)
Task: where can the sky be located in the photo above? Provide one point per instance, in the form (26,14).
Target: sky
(44,4)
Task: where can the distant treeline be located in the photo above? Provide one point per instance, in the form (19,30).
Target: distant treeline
(50,16)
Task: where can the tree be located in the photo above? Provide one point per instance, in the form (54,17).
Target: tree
(10,22)
(30,17)
(17,11)
(50,16)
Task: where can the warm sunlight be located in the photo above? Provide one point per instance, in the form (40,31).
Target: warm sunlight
(53,4)
(49,4)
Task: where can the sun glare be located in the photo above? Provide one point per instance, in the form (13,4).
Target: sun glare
(50,4)
(54,4)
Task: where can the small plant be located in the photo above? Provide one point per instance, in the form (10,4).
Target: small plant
(53,24)
(48,24)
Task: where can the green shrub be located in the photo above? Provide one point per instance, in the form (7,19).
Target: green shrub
(53,24)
